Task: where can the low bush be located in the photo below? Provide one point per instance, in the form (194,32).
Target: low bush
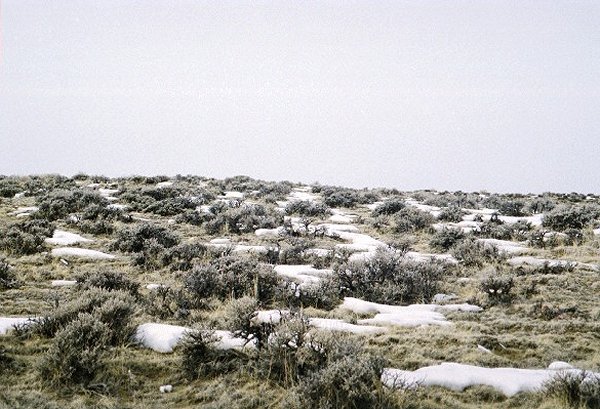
(8,279)
(471,252)
(200,356)
(409,220)
(389,207)
(139,238)
(453,214)
(347,377)
(240,319)
(108,280)
(114,308)
(307,208)
(575,390)
(26,237)
(59,204)
(231,276)
(389,278)
(445,239)
(77,353)
(566,217)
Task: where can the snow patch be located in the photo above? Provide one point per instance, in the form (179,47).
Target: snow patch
(457,377)
(411,315)
(65,238)
(63,283)
(302,273)
(77,252)
(8,323)
(505,246)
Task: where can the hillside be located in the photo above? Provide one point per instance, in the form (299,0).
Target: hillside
(186,291)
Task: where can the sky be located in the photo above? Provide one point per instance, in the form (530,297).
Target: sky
(502,96)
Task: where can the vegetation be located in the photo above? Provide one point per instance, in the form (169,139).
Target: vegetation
(186,254)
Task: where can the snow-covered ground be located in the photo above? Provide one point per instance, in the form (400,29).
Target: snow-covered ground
(303,273)
(539,262)
(24,211)
(505,246)
(508,381)
(410,316)
(329,324)
(77,252)
(8,323)
(63,283)
(164,337)
(65,238)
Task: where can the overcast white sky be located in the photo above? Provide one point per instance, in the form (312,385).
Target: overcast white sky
(457,95)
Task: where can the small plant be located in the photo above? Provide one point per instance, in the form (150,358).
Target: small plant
(201,357)
(137,239)
(389,207)
(77,353)
(8,278)
(445,239)
(231,276)
(115,308)
(346,381)
(240,320)
(307,208)
(471,252)
(453,214)
(497,288)
(575,389)
(410,220)
(108,280)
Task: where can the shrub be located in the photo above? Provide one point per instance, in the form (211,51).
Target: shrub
(497,287)
(61,203)
(139,238)
(349,381)
(166,302)
(77,353)
(115,308)
(411,220)
(471,252)
(25,238)
(513,208)
(10,186)
(444,239)
(183,256)
(341,197)
(231,276)
(453,214)
(388,278)
(8,278)
(389,207)
(201,357)
(575,389)
(108,280)
(324,294)
(307,208)
(565,217)
(240,320)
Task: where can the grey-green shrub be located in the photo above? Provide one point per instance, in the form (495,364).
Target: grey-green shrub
(77,352)
(115,308)
(575,390)
(232,276)
(444,239)
(108,280)
(389,278)
(471,252)
(200,357)
(8,279)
